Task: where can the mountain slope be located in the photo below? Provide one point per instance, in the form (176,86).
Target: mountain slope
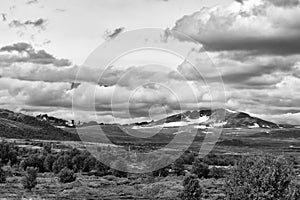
(20,126)
(214,118)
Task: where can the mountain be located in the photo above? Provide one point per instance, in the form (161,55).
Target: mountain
(21,126)
(213,118)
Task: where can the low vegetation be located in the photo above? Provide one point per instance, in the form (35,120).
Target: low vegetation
(262,177)
(192,189)
(213,177)
(66,175)
(29,181)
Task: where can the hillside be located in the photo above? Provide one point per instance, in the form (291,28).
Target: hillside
(20,126)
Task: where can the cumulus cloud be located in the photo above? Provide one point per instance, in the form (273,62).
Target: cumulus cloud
(25,53)
(262,26)
(37,93)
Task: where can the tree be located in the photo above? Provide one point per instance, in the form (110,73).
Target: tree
(200,168)
(192,189)
(29,180)
(66,175)
(261,177)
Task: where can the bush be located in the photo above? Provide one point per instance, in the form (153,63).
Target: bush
(8,153)
(62,162)
(2,175)
(66,175)
(35,161)
(178,167)
(78,162)
(261,177)
(200,168)
(48,162)
(216,173)
(89,164)
(29,180)
(192,189)
(101,169)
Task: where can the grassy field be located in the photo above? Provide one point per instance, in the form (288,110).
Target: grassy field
(232,142)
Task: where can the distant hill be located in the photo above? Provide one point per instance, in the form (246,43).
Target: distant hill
(20,126)
(213,118)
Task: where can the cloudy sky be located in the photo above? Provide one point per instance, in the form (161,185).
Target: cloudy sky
(254,45)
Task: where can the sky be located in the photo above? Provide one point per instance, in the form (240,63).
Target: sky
(251,48)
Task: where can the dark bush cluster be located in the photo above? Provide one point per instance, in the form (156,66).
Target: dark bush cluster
(8,153)
(200,168)
(262,177)
(66,175)
(192,189)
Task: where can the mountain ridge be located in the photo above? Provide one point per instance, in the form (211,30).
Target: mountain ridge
(219,117)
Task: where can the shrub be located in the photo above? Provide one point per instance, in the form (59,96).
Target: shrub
(192,189)
(78,162)
(48,162)
(178,167)
(261,177)
(89,164)
(101,169)
(35,161)
(2,175)
(29,180)
(200,168)
(188,157)
(8,153)
(216,173)
(66,175)
(62,162)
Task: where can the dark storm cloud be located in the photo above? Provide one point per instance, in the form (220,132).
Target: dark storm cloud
(113,34)
(31,55)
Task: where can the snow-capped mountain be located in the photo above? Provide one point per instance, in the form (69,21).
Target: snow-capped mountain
(204,118)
